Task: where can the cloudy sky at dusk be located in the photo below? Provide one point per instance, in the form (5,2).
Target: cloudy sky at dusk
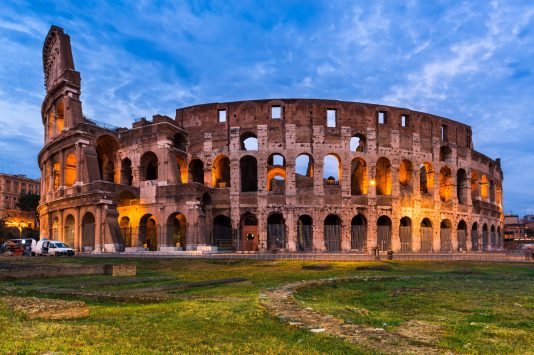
(471,61)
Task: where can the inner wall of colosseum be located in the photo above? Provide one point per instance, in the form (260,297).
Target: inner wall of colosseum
(264,175)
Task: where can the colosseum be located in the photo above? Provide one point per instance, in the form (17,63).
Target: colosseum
(275,175)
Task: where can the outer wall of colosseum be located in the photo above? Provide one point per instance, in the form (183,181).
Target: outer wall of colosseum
(290,174)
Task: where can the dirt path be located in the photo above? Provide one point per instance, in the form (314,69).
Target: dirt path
(412,337)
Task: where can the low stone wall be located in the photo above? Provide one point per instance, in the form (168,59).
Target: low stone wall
(10,271)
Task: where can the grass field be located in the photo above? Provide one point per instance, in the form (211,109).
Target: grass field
(480,307)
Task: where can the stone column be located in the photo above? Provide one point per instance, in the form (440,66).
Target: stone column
(291,229)
(60,232)
(98,229)
(77,230)
(436,231)
(61,170)
(318,234)
(454,237)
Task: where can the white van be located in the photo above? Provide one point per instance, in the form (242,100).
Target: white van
(51,247)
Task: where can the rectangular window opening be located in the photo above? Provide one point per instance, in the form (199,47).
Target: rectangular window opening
(381,117)
(276,112)
(404,120)
(222,116)
(331,118)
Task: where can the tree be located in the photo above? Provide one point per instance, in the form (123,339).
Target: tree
(29,203)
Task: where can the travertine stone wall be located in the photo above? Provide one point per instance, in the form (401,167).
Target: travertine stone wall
(155,184)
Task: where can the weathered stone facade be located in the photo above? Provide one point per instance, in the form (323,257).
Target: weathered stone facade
(250,175)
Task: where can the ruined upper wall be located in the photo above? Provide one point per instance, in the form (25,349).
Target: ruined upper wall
(57,58)
(306,113)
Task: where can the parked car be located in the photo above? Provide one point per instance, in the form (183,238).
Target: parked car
(51,247)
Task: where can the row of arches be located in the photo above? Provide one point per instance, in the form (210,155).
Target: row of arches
(148,233)
(380,177)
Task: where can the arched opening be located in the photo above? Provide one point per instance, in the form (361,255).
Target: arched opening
(222,233)
(332,233)
(56,172)
(148,233)
(59,117)
(499,238)
(126,231)
(461,236)
(445,236)
(358,233)
(462,187)
(358,177)
(332,170)
(276,232)
(248,166)
(276,173)
(498,194)
(484,188)
(149,167)
(493,238)
(182,170)
(475,191)
(249,141)
(485,237)
(276,181)
(177,230)
(426,236)
(126,172)
(383,177)
(196,171)
(492,191)
(221,171)
(383,238)
(106,149)
(180,141)
(405,234)
(304,233)
(474,237)
(357,143)
(426,178)
(249,232)
(68,233)
(445,184)
(55,229)
(88,232)
(70,170)
(445,153)
(405,175)
(276,160)
(304,171)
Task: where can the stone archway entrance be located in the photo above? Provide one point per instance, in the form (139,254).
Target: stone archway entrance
(249,233)
(304,233)
(358,233)
(276,232)
(332,233)
(148,235)
(222,233)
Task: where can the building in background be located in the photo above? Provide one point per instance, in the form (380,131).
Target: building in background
(518,232)
(11,188)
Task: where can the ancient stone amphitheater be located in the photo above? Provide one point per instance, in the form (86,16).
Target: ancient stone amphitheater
(262,175)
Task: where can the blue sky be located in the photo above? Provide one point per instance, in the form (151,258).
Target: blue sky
(471,61)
